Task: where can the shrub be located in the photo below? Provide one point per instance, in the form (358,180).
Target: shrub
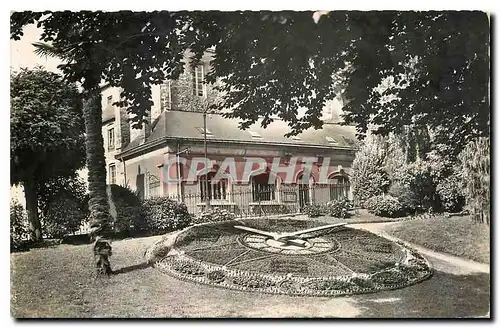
(475,160)
(18,228)
(407,198)
(385,206)
(63,205)
(417,183)
(215,214)
(450,194)
(125,207)
(64,216)
(339,208)
(164,214)
(314,210)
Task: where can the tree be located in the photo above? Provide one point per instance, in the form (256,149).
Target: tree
(394,69)
(46,134)
(125,49)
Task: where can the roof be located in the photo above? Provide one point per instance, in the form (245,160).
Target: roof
(108,114)
(189,125)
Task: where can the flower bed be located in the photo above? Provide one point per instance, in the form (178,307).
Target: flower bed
(233,265)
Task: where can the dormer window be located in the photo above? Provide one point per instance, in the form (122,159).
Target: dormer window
(209,133)
(348,141)
(110,100)
(331,140)
(255,135)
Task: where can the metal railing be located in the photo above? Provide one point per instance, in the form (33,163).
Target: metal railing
(265,200)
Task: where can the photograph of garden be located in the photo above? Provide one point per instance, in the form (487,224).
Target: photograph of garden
(250,164)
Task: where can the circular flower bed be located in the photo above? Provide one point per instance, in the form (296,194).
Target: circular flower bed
(363,262)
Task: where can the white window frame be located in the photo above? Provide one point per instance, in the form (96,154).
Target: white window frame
(112,168)
(196,82)
(111,145)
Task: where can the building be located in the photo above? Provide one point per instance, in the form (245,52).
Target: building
(175,134)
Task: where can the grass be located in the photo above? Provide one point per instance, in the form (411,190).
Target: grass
(57,282)
(457,235)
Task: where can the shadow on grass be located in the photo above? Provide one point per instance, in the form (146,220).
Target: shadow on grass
(131,268)
(444,295)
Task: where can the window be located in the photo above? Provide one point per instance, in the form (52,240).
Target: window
(262,190)
(111,138)
(214,190)
(165,97)
(112,174)
(110,100)
(339,188)
(198,78)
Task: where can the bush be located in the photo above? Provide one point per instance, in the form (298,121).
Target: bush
(421,183)
(339,208)
(215,214)
(385,206)
(64,216)
(63,204)
(164,214)
(18,227)
(126,209)
(450,194)
(314,210)
(407,198)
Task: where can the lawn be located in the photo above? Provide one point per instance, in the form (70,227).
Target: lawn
(57,282)
(457,235)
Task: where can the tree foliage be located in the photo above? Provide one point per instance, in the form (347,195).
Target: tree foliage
(392,68)
(369,177)
(46,126)
(46,134)
(475,160)
(130,50)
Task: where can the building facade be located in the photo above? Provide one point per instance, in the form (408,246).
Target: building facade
(160,158)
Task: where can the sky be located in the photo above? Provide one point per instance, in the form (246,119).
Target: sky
(22,55)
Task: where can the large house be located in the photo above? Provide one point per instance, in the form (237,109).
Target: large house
(146,159)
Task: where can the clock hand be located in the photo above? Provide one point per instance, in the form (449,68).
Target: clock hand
(260,232)
(301,232)
(275,236)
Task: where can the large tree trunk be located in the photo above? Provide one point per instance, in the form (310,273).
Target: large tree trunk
(32,210)
(100,218)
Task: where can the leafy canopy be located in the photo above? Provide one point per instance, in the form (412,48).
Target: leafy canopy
(393,69)
(46,127)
